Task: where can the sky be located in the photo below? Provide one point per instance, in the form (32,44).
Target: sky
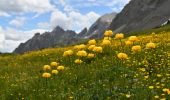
(21,19)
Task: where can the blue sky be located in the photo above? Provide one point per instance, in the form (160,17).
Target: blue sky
(21,19)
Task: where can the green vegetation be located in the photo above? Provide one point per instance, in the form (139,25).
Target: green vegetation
(120,71)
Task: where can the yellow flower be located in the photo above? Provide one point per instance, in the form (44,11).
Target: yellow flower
(159,75)
(119,36)
(128,95)
(108,33)
(163,99)
(46,75)
(122,56)
(54,72)
(136,48)
(128,42)
(150,45)
(91,47)
(92,42)
(143,69)
(54,64)
(107,38)
(46,67)
(80,47)
(151,87)
(90,55)
(133,38)
(68,53)
(156,97)
(98,49)
(78,61)
(60,68)
(82,53)
(106,42)
(165,89)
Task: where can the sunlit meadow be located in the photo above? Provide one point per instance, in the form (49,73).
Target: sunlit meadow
(116,67)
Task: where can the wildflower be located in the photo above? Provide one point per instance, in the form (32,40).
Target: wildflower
(54,72)
(92,42)
(133,38)
(54,64)
(90,55)
(82,53)
(98,49)
(165,89)
(122,56)
(107,38)
(143,69)
(151,87)
(156,97)
(159,75)
(151,45)
(68,53)
(78,61)
(106,42)
(46,75)
(60,68)
(128,95)
(163,99)
(136,48)
(108,33)
(128,42)
(91,47)
(119,36)
(80,47)
(46,67)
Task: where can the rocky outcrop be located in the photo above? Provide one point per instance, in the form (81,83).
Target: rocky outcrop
(58,37)
(141,15)
(97,29)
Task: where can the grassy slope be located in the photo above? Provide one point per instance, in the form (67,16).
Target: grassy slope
(105,77)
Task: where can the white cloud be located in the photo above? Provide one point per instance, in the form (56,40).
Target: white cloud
(2,37)
(18,21)
(73,20)
(10,38)
(4,14)
(44,25)
(24,6)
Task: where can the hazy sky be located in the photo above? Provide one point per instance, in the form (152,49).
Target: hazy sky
(20,19)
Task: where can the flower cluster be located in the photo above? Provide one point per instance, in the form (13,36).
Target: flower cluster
(68,53)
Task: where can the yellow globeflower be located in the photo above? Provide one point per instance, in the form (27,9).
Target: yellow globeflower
(46,67)
(122,56)
(98,49)
(107,38)
(91,47)
(136,48)
(80,47)
(90,55)
(128,42)
(106,42)
(82,53)
(54,72)
(156,97)
(68,53)
(78,61)
(108,33)
(54,64)
(92,42)
(133,38)
(151,87)
(46,75)
(128,95)
(150,45)
(119,36)
(60,68)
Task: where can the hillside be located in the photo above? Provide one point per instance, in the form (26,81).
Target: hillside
(140,73)
(141,15)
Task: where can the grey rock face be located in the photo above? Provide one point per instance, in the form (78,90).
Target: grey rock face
(58,37)
(97,29)
(140,15)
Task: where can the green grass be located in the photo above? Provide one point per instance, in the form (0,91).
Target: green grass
(105,77)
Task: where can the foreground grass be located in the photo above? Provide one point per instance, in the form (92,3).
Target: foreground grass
(143,76)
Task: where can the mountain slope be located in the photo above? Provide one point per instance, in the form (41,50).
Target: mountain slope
(97,29)
(141,14)
(59,37)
